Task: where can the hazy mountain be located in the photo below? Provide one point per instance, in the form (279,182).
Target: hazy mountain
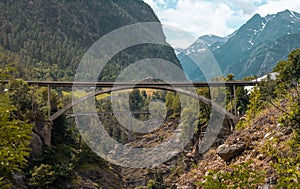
(255,48)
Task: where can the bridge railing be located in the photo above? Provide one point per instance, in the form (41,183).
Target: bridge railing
(138,84)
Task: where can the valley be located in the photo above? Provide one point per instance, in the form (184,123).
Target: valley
(170,123)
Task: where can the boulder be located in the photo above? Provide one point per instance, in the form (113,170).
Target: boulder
(18,181)
(228,152)
(36,146)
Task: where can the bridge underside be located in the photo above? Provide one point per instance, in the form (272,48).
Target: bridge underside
(204,100)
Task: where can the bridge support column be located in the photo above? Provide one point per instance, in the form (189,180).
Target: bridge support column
(234,98)
(47,132)
(130,137)
(48,102)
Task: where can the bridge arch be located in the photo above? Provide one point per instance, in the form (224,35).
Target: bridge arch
(203,99)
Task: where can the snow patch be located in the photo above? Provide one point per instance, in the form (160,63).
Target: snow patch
(251,42)
(202,50)
(263,26)
(293,15)
(270,17)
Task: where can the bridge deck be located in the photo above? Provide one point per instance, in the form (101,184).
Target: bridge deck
(138,85)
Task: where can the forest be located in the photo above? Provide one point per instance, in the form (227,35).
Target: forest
(24,107)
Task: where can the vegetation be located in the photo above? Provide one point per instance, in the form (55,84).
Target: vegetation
(236,176)
(47,40)
(14,141)
(283,94)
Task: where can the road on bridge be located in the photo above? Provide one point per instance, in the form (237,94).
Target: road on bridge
(138,84)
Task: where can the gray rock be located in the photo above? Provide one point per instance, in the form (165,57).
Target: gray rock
(18,179)
(228,152)
(36,146)
(265,186)
(189,186)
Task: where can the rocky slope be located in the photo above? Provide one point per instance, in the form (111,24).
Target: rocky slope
(243,146)
(264,130)
(166,174)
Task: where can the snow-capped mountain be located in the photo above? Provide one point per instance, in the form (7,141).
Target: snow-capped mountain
(253,49)
(204,42)
(200,48)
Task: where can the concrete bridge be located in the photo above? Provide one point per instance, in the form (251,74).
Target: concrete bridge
(204,100)
(113,86)
(118,86)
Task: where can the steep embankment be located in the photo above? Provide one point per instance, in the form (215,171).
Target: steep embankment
(264,133)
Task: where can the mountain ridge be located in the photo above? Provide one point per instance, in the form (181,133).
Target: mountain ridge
(236,53)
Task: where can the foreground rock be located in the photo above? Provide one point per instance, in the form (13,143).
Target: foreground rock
(228,152)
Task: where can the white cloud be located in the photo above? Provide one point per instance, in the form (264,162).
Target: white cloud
(218,17)
(274,6)
(198,17)
(152,4)
(178,38)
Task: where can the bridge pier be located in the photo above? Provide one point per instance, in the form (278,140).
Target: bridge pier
(234,99)
(47,132)
(48,102)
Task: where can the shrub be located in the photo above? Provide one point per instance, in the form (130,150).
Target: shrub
(237,176)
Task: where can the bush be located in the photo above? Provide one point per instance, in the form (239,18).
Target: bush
(237,176)
(286,162)
(14,141)
(56,166)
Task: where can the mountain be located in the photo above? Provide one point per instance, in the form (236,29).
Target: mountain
(263,58)
(53,35)
(206,41)
(256,47)
(210,41)
(195,52)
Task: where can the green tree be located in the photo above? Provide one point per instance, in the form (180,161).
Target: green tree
(176,106)
(288,86)
(289,70)
(169,101)
(135,100)
(242,100)
(18,91)
(14,141)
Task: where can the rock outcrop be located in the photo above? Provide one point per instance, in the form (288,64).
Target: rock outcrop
(246,145)
(36,146)
(228,152)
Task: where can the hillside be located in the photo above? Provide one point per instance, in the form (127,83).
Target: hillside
(264,149)
(54,35)
(263,131)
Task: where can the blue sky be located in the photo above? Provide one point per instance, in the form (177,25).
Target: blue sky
(218,17)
